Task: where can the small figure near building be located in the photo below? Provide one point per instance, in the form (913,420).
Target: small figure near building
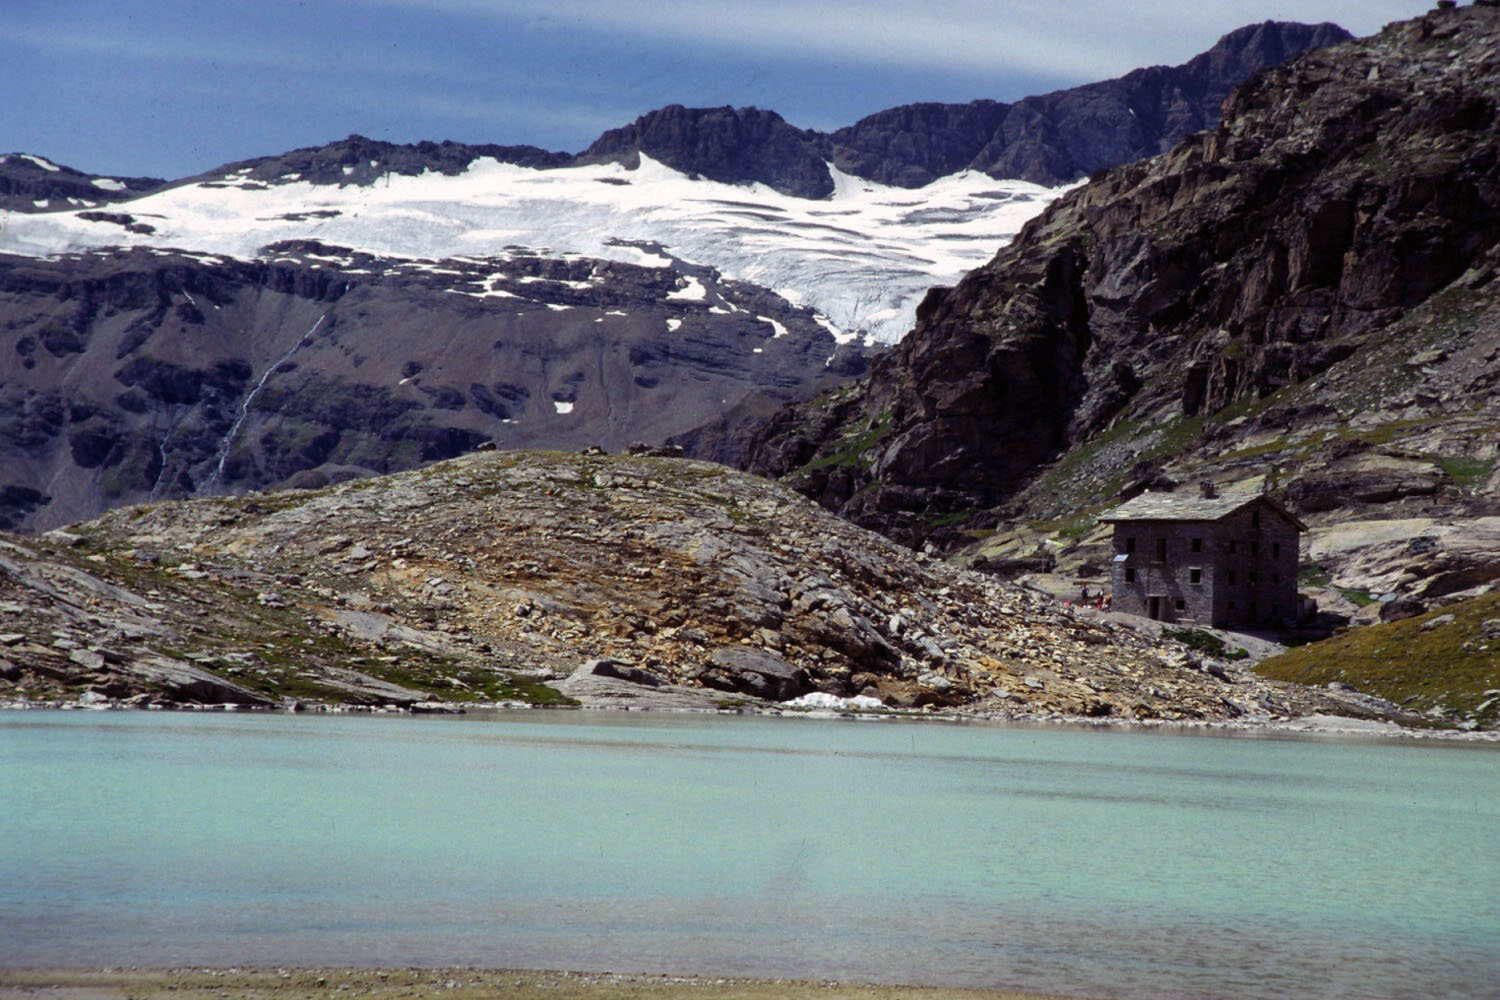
(1206,559)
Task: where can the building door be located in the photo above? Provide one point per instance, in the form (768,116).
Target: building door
(1153,608)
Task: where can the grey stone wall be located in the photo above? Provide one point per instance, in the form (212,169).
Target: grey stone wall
(1239,570)
(1263,555)
(1173,570)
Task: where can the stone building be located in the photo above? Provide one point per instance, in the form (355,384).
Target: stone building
(1206,559)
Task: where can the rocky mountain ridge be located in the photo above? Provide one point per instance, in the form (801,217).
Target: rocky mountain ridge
(1301,299)
(543,577)
(1050,139)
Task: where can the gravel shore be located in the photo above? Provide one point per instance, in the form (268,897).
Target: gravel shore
(452,984)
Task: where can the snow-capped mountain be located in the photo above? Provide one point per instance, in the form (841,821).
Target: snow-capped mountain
(861,258)
(363,307)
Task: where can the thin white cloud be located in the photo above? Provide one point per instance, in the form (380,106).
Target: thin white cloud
(1084,39)
(237,55)
(585,120)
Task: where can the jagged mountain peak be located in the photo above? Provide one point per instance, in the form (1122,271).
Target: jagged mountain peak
(734,145)
(1268,43)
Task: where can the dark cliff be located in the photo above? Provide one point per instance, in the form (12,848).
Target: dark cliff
(1341,194)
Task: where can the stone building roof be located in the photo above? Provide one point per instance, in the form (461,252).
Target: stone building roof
(1191,507)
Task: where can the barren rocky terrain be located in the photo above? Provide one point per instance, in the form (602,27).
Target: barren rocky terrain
(546,577)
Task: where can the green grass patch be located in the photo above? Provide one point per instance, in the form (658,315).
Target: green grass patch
(1465,472)
(948,520)
(435,675)
(1071,528)
(851,448)
(1313,575)
(1359,598)
(1207,643)
(1450,666)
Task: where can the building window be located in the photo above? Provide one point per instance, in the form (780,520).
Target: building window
(1275,550)
(1232,546)
(1255,519)
(1231,605)
(1161,550)
(1195,575)
(1181,604)
(1255,548)
(1197,545)
(1231,577)
(1130,545)
(1275,577)
(1129,575)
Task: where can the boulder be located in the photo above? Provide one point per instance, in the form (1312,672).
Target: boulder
(757,672)
(1401,607)
(619,670)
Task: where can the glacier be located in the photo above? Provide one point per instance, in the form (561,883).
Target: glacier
(861,259)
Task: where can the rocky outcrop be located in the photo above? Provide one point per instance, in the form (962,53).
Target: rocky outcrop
(191,374)
(1343,219)
(733,145)
(625,581)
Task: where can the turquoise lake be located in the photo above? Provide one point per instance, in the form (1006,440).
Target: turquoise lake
(1133,864)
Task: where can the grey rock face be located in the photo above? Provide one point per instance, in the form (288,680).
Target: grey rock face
(313,365)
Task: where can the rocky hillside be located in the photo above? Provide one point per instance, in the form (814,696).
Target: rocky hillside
(143,374)
(1302,298)
(543,577)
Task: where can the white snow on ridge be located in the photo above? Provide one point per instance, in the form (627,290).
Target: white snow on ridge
(107,184)
(862,258)
(45,164)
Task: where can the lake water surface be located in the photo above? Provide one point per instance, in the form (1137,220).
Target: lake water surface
(1100,863)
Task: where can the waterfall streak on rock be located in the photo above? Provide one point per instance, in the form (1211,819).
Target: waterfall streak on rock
(245,406)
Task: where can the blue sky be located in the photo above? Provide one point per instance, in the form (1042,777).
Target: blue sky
(173,87)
